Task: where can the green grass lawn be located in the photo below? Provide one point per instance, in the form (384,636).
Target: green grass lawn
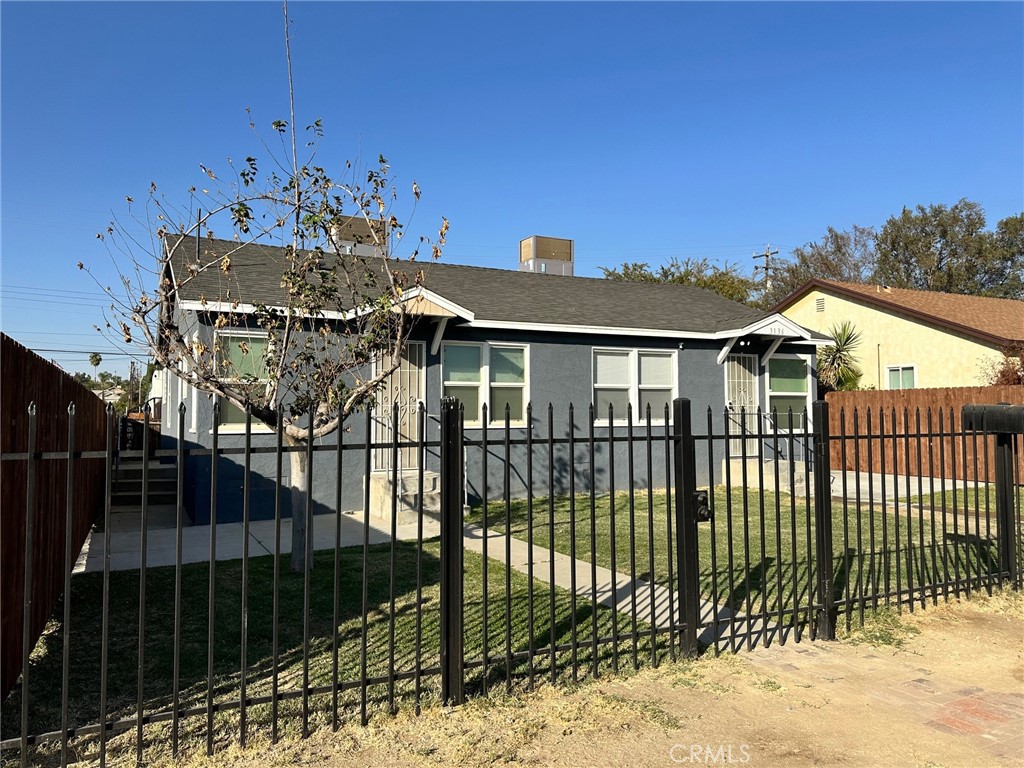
(772,537)
(86,625)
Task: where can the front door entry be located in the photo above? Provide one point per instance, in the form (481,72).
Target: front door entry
(404,386)
(741,394)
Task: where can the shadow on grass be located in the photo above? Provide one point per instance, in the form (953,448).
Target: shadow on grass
(507,627)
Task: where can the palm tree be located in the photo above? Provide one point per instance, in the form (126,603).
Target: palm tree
(95,359)
(837,364)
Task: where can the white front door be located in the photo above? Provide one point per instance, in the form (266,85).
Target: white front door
(741,400)
(405,386)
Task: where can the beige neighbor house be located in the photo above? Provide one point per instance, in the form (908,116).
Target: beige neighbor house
(912,338)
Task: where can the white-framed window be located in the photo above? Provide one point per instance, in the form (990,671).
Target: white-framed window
(492,373)
(789,387)
(901,376)
(240,355)
(637,377)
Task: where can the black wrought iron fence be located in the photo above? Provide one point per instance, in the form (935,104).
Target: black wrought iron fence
(499,554)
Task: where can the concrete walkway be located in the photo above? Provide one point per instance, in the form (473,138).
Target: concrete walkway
(161,546)
(611,590)
(895,486)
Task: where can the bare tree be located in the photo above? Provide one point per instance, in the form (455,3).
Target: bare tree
(337,315)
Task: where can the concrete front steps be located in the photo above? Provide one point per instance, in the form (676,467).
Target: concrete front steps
(126,496)
(408,501)
(792,475)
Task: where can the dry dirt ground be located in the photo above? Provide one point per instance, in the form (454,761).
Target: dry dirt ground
(941,687)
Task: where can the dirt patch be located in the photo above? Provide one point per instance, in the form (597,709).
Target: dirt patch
(940,687)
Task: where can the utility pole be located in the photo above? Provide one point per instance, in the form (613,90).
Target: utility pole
(132,384)
(767,268)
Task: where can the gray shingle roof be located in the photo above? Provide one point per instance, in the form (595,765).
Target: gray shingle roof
(491,294)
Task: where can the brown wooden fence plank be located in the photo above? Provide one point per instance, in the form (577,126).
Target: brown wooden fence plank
(25,378)
(949,400)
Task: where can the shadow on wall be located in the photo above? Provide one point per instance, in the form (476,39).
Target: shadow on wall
(545,468)
(640,464)
(265,491)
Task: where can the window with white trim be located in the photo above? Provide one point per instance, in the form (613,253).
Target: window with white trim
(240,357)
(901,376)
(789,389)
(495,374)
(640,378)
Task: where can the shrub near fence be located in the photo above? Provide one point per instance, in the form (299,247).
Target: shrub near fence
(895,413)
(25,378)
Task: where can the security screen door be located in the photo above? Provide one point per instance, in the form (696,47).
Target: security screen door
(741,399)
(403,386)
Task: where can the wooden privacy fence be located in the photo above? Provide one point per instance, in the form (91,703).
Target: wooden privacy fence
(895,413)
(25,378)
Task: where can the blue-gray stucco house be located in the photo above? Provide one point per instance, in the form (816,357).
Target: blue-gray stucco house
(502,338)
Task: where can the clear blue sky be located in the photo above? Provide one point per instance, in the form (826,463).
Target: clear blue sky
(642,131)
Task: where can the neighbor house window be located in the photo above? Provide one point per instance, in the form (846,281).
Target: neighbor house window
(639,378)
(240,358)
(788,389)
(486,373)
(901,376)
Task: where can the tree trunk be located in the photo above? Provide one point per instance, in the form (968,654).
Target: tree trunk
(297,484)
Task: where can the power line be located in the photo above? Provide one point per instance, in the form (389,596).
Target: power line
(49,290)
(9,332)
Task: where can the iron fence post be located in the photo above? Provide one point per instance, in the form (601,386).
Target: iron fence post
(1005,528)
(452,679)
(687,576)
(26,606)
(826,624)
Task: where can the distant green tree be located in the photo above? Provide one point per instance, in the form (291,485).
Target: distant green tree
(947,249)
(109,380)
(700,273)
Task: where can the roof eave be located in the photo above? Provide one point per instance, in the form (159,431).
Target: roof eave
(883,303)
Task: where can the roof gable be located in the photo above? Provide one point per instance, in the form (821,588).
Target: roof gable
(996,321)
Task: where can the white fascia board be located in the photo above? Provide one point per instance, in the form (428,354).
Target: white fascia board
(812,342)
(594,329)
(228,307)
(794,332)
